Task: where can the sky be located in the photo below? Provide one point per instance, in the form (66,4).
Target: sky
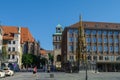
(42,16)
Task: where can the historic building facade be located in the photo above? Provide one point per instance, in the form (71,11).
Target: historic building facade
(57,46)
(11,46)
(103,45)
(16,41)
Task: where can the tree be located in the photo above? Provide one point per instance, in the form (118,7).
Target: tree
(43,61)
(4,53)
(29,60)
(51,57)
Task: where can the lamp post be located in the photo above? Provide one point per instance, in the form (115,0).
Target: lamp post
(96,64)
(86,78)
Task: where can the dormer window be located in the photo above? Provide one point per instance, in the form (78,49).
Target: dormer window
(96,25)
(106,26)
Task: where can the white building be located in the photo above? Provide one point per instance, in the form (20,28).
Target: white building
(11,41)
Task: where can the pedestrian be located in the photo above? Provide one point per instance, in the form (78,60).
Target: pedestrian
(35,70)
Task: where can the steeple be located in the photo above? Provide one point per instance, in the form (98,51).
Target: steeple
(58,28)
(81,29)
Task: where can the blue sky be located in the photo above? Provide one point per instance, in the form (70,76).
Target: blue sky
(42,16)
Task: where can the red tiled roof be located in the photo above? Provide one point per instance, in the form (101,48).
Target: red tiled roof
(98,25)
(42,52)
(8,32)
(26,35)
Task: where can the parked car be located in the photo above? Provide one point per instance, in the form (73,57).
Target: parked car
(2,74)
(8,72)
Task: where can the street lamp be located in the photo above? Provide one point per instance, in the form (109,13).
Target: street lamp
(87,58)
(95,64)
(86,78)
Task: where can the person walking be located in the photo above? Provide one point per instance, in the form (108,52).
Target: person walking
(35,70)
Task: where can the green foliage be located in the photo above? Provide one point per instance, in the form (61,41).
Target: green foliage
(4,52)
(43,61)
(51,57)
(29,59)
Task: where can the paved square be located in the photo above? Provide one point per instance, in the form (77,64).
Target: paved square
(64,76)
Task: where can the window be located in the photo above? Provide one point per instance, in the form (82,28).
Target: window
(100,48)
(111,58)
(9,42)
(58,30)
(116,33)
(13,48)
(96,25)
(70,48)
(55,46)
(99,40)
(110,33)
(54,38)
(116,49)
(116,40)
(13,42)
(99,32)
(105,32)
(85,25)
(71,39)
(94,57)
(9,48)
(100,57)
(111,40)
(88,40)
(58,38)
(111,48)
(106,26)
(76,31)
(93,32)
(70,31)
(89,57)
(76,39)
(71,58)
(87,32)
(94,39)
(118,58)
(105,48)
(58,57)
(94,48)
(106,58)
(9,56)
(13,56)
(88,47)
(105,40)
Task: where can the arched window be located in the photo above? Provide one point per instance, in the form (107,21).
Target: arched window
(58,57)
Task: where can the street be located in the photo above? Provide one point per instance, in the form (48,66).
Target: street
(64,76)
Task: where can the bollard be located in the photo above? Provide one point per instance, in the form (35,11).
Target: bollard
(51,75)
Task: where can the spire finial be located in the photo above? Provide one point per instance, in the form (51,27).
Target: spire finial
(80,20)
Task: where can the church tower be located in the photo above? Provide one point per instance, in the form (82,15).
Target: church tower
(57,37)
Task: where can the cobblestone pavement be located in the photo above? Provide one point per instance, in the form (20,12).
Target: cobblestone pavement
(64,76)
